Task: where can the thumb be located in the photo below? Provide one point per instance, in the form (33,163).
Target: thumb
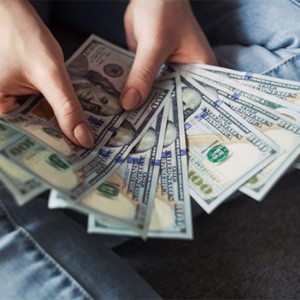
(146,64)
(56,87)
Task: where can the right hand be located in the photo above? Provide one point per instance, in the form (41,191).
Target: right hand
(159,31)
(32,61)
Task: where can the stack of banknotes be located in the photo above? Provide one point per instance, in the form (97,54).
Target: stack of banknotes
(203,133)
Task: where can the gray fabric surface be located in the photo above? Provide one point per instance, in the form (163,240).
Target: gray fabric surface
(243,250)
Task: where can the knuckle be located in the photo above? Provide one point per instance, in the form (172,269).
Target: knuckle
(145,75)
(69,108)
(53,50)
(4,110)
(7,103)
(58,51)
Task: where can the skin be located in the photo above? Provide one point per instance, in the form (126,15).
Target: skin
(159,31)
(32,60)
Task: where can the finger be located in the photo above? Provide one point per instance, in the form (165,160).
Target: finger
(148,60)
(129,30)
(7,104)
(54,83)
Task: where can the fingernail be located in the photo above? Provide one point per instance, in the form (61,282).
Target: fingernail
(84,135)
(131,99)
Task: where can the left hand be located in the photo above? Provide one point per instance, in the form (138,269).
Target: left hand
(159,31)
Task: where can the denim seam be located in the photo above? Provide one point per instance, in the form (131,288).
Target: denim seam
(50,259)
(281,64)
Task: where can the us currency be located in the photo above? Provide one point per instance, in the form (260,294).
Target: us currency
(126,198)
(98,71)
(285,89)
(171,214)
(282,106)
(219,144)
(21,184)
(281,130)
(74,181)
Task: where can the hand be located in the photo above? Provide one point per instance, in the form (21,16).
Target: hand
(160,30)
(32,61)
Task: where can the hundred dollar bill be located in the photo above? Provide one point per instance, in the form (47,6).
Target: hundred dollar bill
(171,215)
(21,184)
(285,89)
(51,161)
(98,70)
(282,106)
(126,198)
(280,129)
(76,180)
(220,144)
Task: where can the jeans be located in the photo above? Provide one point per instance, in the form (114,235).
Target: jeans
(255,36)
(47,254)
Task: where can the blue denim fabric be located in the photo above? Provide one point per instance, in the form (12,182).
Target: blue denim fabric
(24,263)
(261,36)
(47,255)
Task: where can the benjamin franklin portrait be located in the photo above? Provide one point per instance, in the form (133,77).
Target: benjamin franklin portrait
(124,135)
(191,101)
(98,95)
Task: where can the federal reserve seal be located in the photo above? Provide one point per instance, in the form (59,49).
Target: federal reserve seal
(113,70)
(108,190)
(218,154)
